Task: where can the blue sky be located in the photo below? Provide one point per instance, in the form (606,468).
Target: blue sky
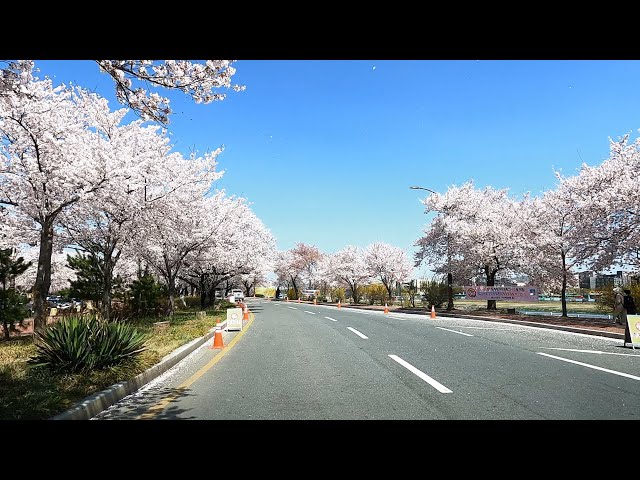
(325,150)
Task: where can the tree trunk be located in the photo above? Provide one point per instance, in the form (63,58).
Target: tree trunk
(43,276)
(295,288)
(450,291)
(354,293)
(106,287)
(491,281)
(388,287)
(5,326)
(203,292)
(171,284)
(563,297)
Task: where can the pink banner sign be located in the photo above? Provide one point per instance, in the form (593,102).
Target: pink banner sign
(513,294)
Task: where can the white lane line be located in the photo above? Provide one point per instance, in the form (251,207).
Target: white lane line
(396,316)
(490,328)
(594,351)
(307,311)
(434,383)
(361,335)
(332,319)
(590,366)
(455,331)
(292,308)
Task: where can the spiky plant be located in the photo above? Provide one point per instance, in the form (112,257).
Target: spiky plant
(82,343)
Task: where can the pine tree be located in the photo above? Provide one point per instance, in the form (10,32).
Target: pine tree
(11,302)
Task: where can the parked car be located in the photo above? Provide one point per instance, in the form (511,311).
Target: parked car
(65,304)
(53,300)
(238,294)
(310,294)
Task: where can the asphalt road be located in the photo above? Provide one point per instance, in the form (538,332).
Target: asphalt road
(306,362)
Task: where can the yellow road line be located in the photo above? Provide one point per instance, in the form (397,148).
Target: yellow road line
(160,406)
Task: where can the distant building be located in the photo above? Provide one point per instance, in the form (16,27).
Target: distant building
(598,281)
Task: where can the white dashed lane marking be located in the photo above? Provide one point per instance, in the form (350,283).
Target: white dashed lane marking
(633,377)
(362,335)
(434,383)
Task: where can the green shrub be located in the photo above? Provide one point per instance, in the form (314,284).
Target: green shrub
(338,293)
(82,343)
(192,301)
(436,292)
(12,309)
(147,296)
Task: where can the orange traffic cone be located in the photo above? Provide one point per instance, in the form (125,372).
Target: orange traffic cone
(314,301)
(433,312)
(338,303)
(386,309)
(245,313)
(217,339)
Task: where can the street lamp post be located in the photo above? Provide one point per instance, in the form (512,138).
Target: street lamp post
(449,274)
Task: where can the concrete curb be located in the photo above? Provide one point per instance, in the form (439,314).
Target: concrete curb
(548,326)
(100,401)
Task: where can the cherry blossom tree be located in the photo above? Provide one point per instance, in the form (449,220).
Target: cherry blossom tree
(50,159)
(251,280)
(149,172)
(348,267)
(608,200)
(288,271)
(308,256)
(261,262)
(242,248)
(134,79)
(61,274)
(176,225)
(298,266)
(485,227)
(439,249)
(389,264)
(16,228)
(555,227)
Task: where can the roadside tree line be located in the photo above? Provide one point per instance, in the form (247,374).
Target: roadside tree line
(353,268)
(73,174)
(588,221)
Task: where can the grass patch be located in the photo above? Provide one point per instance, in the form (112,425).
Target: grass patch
(28,393)
(543,306)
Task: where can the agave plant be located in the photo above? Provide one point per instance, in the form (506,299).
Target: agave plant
(80,343)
